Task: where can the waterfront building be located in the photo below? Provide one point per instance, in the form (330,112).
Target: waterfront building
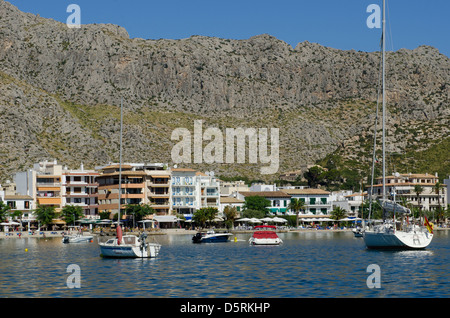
(49,183)
(404,186)
(158,188)
(132,184)
(262,187)
(142,183)
(447,190)
(231,201)
(227,188)
(317,201)
(42,183)
(349,201)
(193,190)
(80,188)
(279,200)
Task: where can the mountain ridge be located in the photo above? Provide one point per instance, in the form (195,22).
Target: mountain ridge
(321,98)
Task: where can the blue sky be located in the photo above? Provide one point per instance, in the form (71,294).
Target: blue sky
(338,24)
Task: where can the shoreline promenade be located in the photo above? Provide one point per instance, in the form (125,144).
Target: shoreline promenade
(51,234)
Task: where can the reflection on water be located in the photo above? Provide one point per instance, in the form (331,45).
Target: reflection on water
(308,264)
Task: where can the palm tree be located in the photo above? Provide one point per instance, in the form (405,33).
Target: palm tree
(230,213)
(45,214)
(71,213)
(139,211)
(296,205)
(338,213)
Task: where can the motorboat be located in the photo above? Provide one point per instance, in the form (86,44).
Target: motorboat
(358,232)
(265,235)
(211,236)
(77,238)
(129,246)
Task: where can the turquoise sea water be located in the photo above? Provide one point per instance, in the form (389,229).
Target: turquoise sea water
(309,264)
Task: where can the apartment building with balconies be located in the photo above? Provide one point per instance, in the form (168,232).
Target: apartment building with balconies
(132,186)
(419,189)
(42,183)
(193,190)
(79,188)
(158,188)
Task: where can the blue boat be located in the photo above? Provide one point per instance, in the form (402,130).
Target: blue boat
(211,237)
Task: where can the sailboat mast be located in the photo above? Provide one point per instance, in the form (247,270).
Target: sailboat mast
(384,100)
(120,158)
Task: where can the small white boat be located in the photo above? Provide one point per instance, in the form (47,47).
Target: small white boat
(211,237)
(265,235)
(358,232)
(77,238)
(129,246)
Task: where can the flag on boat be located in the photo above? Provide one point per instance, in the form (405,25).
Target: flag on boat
(429,226)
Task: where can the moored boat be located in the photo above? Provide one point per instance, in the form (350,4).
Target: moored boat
(77,238)
(211,237)
(388,234)
(129,246)
(265,235)
(125,246)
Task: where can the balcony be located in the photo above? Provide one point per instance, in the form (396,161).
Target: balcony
(49,200)
(184,194)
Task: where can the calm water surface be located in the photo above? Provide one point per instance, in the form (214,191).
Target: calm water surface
(313,264)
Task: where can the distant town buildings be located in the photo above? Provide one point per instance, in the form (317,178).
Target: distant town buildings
(418,189)
(179,192)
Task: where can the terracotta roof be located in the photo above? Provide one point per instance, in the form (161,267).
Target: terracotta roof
(230,200)
(267,194)
(305,191)
(412,175)
(183,169)
(18,197)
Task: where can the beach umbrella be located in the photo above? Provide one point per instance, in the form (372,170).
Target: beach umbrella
(255,220)
(279,220)
(9,223)
(267,219)
(243,220)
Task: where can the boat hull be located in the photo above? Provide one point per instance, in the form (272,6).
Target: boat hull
(397,240)
(254,241)
(77,239)
(213,238)
(127,251)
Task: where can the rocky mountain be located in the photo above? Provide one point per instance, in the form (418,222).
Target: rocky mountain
(61,88)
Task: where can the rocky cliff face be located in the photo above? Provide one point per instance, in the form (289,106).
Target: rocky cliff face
(60,89)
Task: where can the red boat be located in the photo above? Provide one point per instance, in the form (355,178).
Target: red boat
(265,235)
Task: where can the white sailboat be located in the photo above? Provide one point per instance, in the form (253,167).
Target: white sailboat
(126,246)
(390,234)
